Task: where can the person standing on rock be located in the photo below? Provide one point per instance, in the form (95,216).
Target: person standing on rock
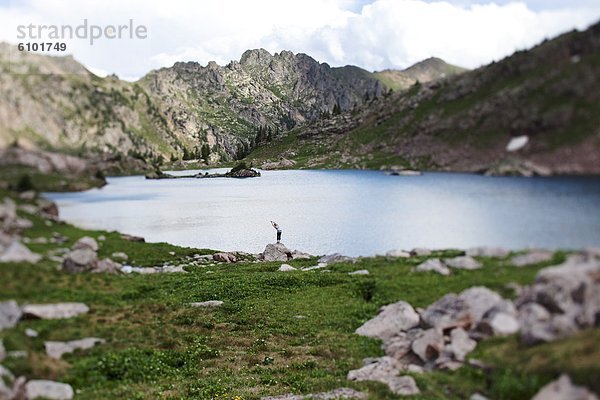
(278,229)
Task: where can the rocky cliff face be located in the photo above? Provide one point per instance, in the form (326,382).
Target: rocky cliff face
(548,97)
(185,110)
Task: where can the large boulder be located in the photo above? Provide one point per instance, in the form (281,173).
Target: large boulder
(276,252)
(86,242)
(80,260)
(50,390)
(391,320)
(54,311)
(10,313)
(563,389)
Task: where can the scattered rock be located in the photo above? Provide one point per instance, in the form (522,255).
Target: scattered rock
(2,351)
(281,164)
(17,252)
(419,251)
(532,257)
(298,255)
(31,333)
(435,265)
(49,390)
(80,260)
(28,195)
(341,393)
(54,311)
(504,324)
(479,300)
(392,319)
(286,267)
(463,262)
(563,389)
(120,256)
(101,238)
(428,345)
(398,254)
(385,370)
(320,265)
(225,257)
(359,272)
(478,396)
(17,354)
(86,242)
(10,313)
(460,344)
(335,258)
(107,266)
(496,252)
(57,349)
(448,312)
(132,238)
(210,303)
(517,143)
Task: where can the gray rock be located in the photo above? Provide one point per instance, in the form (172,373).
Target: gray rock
(286,267)
(54,311)
(478,396)
(532,257)
(107,266)
(503,324)
(419,251)
(391,320)
(210,303)
(534,321)
(80,260)
(48,390)
(86,242)
(120,256)
(399,346)
(480,300)
(448,312)
(359,272)
(463,262)
(385,370)
(6,383)
(563,389)
(57,349)
(496,252)
(398,254)
(460,344)
(17,252)
(31,333)
(335,258)
(276,252)
(340,393)
(10,313)
(225,257)
(170,269)
(435,265)
(320,265)
(298,255)
(428,345)
(2,351)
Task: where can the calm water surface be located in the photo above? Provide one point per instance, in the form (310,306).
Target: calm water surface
(351,212)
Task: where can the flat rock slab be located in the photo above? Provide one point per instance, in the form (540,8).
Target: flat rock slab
(385,370)
(10,313)
(463,262)
(57,349)
(435,265)
(50,390)
(210,303)
(17,252)
(286,267)
(341,393)
(391,320)
(54,311)
(359,272)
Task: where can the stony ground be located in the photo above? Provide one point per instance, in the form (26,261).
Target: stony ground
(275,333)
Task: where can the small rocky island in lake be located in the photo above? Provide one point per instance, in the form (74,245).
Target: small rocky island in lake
(241,170)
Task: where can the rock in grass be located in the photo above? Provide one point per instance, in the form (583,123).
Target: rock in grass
(276,252)
(17,252)
(50,390)
(503,324)
(57,349)
(286,267)
(391,320)
(80,260)
(359,272)
(10,313)
(335,258)
(31,333)
(532,257)
(463,262)
(385,370)
(563,389)
(495,252)
(2,350)
(460,344)
(107,266)
(86,242)
(225,257)
(448,312)
(435,265)
(398,254)
(210,303)
(341,393)
(54,311)
(428,345)
(120,256)
(420,251)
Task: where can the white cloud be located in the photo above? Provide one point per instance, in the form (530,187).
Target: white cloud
(383,34)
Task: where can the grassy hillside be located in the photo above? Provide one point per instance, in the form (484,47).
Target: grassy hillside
(549,93)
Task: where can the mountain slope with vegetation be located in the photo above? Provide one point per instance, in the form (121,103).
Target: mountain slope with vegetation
(425,71)
(550,94)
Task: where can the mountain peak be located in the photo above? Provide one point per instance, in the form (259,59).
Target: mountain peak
(256,57)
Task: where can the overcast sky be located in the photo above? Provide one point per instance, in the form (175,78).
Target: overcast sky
(373,34)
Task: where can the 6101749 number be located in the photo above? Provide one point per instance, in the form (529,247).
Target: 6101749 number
(42,46)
